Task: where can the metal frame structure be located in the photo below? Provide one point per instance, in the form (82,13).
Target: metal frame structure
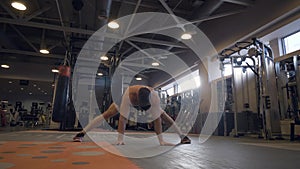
(263,67)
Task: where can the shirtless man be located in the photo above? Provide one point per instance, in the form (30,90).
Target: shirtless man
(142,98)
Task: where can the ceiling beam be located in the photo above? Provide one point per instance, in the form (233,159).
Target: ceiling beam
(125,52)
(45,26)
(24,38)
(156,42)
(207,9)
(139,65)
(240,2)
(8,10)
(151,6)
(130,70)
(144,52)
(216,16)
(36,13)
(29,53)
(158,56)
(169,10)
(37,41)
(40,18)
(130,21)
(84,31)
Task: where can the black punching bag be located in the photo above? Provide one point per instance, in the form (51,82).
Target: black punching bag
(61,94)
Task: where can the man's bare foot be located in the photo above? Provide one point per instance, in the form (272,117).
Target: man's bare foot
(120,143)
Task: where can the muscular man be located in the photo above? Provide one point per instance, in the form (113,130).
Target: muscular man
(142,98)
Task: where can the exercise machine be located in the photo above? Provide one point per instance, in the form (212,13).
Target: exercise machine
(254,88)
(288,78)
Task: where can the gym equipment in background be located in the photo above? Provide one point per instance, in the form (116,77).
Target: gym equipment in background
(261,99)
(288,80)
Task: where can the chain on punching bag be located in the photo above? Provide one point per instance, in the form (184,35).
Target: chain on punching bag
(61,94)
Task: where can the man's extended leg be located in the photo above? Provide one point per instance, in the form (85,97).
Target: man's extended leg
(110,112)
(167,118)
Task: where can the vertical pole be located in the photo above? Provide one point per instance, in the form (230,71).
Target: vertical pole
(224,96)
(248,93)
(223,100)
(265,94)
(295,60)
(262,92)
(235,100)
(242,89)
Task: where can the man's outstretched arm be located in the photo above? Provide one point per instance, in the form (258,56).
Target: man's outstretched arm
(158,131)
(121,130)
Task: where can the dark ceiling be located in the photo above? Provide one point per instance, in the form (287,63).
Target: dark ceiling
(66,26)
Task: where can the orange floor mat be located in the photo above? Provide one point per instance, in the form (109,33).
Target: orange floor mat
(59,155)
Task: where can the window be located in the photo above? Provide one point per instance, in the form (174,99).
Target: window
(169,89)
(291,43)
(189,82)
(185,83)
(227,70)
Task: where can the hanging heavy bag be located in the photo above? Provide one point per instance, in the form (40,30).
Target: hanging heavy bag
(61,94)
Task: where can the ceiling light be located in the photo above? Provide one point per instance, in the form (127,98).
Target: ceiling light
(186,36)
(44,51)
(19,6)
(55,70)
(22,88)
(39,88)
(10,82)
(104,57)
(5,66)
(30,93)
(34,85)
(138,78)
(155,64)
(113,25)
(45,93)
(100,74)
(43,47)
(53,85)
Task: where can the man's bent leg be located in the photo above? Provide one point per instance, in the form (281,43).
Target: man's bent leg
(110,112)
(167,118)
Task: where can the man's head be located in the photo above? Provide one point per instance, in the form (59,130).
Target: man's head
(144,98)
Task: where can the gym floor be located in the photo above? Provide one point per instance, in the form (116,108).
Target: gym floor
(40,149)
